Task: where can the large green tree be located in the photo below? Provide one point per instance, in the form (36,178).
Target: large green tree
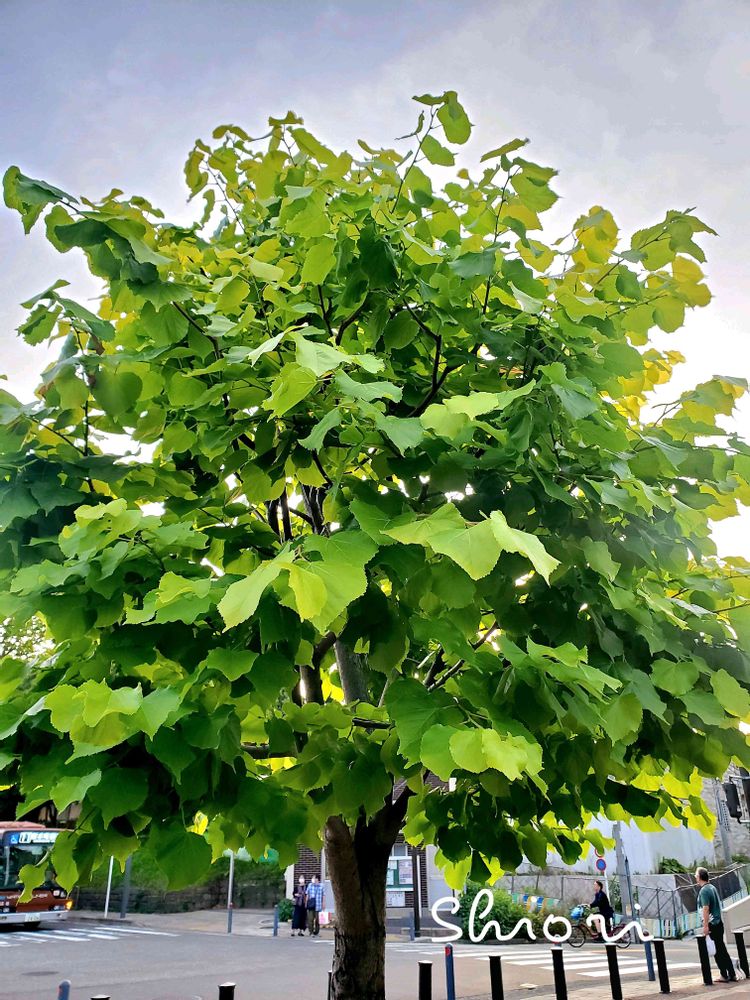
(354,481)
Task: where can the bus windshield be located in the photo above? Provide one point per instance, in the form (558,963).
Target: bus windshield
(15,856)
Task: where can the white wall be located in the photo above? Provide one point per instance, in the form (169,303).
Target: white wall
(646,850)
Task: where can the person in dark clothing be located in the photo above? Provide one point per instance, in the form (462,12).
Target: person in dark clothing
(602,905)
(709,905)
(299,916)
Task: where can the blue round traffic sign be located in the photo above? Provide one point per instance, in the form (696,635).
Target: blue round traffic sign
(601,865)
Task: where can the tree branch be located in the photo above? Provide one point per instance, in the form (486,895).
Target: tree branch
(436,387)
(260,751)
(322,647)
(352,674)
(349,320)
(285,519)
(324,312)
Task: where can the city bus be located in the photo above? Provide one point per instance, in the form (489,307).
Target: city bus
(26,844)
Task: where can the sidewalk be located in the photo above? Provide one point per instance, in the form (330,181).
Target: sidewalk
(258,923)
(681,986)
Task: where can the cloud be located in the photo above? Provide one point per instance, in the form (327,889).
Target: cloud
(642,107)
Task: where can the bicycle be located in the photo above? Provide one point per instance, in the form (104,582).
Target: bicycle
(581,930)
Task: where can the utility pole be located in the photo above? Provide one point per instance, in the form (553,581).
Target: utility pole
(723,821)
(125,898)
(623,873)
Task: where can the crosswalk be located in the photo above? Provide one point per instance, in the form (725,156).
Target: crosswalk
(75,932)
(591,964)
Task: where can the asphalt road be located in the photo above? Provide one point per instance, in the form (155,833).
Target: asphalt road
(147,963)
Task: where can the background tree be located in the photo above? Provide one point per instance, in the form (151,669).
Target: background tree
(348,483)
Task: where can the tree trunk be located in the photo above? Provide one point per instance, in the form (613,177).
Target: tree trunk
(357,863)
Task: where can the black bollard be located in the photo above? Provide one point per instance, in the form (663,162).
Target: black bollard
(661,964)
(561,988)
(705,961)
(614,972)
(101,996)
(330,985)
(425,981)
(226,991)
(496,978)
(739,940)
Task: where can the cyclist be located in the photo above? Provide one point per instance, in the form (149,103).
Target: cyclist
(602,905)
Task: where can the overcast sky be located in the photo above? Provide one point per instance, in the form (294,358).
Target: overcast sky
(642,106)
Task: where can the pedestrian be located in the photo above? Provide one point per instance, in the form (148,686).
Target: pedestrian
(602,904)
(315,900)
(713,925)
(299,915)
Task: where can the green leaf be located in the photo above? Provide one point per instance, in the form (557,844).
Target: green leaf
(479,403)
(740,620)
(319,260)
(31,877)
(73,788)
(242,598)
(156,709)
(39,325)
(290,387)
(232,293)
(367,391)
(599,558)
(734,698)
(675,677)
(476,750)
(669,313)
(414,710)
(627,283)
(376,258)
(454,119)
(508,147)
(232,663)
(474,549)
(120,791)
(116,391)
(622,718)
(436,153)
(435,751)
(183,857)
(405,432)
(340,574)
(513,540)
(265,271)
(315,439)
(310,591)
(474,265)
(318,356)
(28,196)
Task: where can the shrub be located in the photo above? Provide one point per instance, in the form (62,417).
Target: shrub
(504,910)
(671,866)
(286,908)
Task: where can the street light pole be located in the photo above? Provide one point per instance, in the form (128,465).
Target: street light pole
(623,872)
(230,893)
(109,888)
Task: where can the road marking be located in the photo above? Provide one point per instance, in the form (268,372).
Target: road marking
(111,928)
(56,935)
(14,939)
